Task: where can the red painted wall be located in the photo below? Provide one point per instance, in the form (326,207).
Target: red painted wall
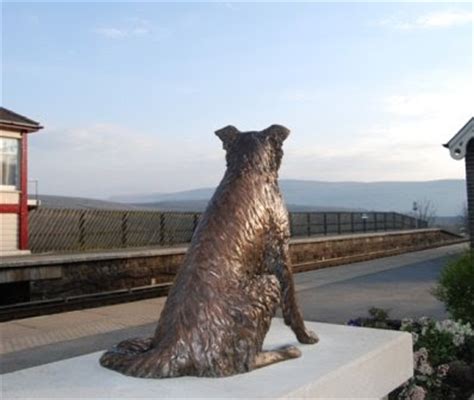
(23,222)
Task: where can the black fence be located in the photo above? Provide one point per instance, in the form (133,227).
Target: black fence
(337,223)
(66,230)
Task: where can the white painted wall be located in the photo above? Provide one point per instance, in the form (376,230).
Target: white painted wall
(8,232)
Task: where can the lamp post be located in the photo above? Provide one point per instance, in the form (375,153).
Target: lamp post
(415,209)
(364,217)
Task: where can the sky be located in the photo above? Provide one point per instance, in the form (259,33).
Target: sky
(130,93)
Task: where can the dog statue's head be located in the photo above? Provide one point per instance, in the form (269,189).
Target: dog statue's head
(255,151)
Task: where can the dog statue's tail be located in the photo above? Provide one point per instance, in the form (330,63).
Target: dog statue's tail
(137,357)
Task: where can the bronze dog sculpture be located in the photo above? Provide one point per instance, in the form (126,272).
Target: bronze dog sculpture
(235,275)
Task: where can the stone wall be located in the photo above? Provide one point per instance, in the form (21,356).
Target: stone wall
(93,276)
(470,187)
(309,255)
(99,272)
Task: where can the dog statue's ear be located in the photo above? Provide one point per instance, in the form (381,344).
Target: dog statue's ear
(277,132)
(228,135)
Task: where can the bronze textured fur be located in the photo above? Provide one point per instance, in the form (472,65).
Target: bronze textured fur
(236,273)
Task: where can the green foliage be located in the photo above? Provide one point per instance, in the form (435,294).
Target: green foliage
(379,314)
(456,288)
(378,318)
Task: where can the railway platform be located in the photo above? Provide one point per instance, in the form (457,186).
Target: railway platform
(332,295)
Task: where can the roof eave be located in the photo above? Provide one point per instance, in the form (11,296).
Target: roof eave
(29,128)
(455,137)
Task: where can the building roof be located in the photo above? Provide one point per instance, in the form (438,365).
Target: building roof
(458,144)
(12,120)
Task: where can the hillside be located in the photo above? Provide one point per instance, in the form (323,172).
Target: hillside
(200,205)
(82,203)
(448,196)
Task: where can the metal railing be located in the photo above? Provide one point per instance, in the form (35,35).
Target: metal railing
(67,230)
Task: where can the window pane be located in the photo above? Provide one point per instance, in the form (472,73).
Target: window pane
(9,165)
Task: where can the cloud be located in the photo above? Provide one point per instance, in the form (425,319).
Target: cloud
(433,20)
(299,96)
(102,159)
(403,140)
(134,27)
(111,33)
(98,140)
(230,6)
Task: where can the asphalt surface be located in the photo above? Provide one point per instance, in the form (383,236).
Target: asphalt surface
(401,284)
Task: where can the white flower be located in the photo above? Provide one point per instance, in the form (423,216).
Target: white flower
(416,393)
(442,370)
(420,356)
(415,337)
(458,340)
(425,369)
(456,329)
(424,321)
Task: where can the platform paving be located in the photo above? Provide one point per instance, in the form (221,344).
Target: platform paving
(401,283)
(39,331)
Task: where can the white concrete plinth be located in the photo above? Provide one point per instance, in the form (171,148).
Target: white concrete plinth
(347,363)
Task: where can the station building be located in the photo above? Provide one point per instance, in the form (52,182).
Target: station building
(14,131)
(462,146)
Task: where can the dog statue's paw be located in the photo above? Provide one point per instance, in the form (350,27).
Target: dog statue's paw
(290,351)
(308,337)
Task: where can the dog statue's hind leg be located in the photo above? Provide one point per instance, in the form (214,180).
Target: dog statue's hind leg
(283,353)
(291,311)
(265,295)
(279,263)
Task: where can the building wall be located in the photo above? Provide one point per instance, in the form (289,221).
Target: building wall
(9,197)
(8,232)
(470,187)
(10,134)
(9,221)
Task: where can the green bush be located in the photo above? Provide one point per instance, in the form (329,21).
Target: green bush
(456,288)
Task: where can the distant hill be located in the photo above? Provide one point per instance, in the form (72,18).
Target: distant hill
(448,196)
(200,205)
(81,203)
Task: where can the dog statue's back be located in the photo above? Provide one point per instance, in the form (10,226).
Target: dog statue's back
(235,275)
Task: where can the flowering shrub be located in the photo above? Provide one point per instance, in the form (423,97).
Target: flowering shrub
(437,345)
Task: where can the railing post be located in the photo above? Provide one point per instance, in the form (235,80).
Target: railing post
(384,221)
(308,223)
(82,232)
(290,221)
(352,223)
(124,228)
(339,230)
(162,228)
(325,223)
(195,221)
